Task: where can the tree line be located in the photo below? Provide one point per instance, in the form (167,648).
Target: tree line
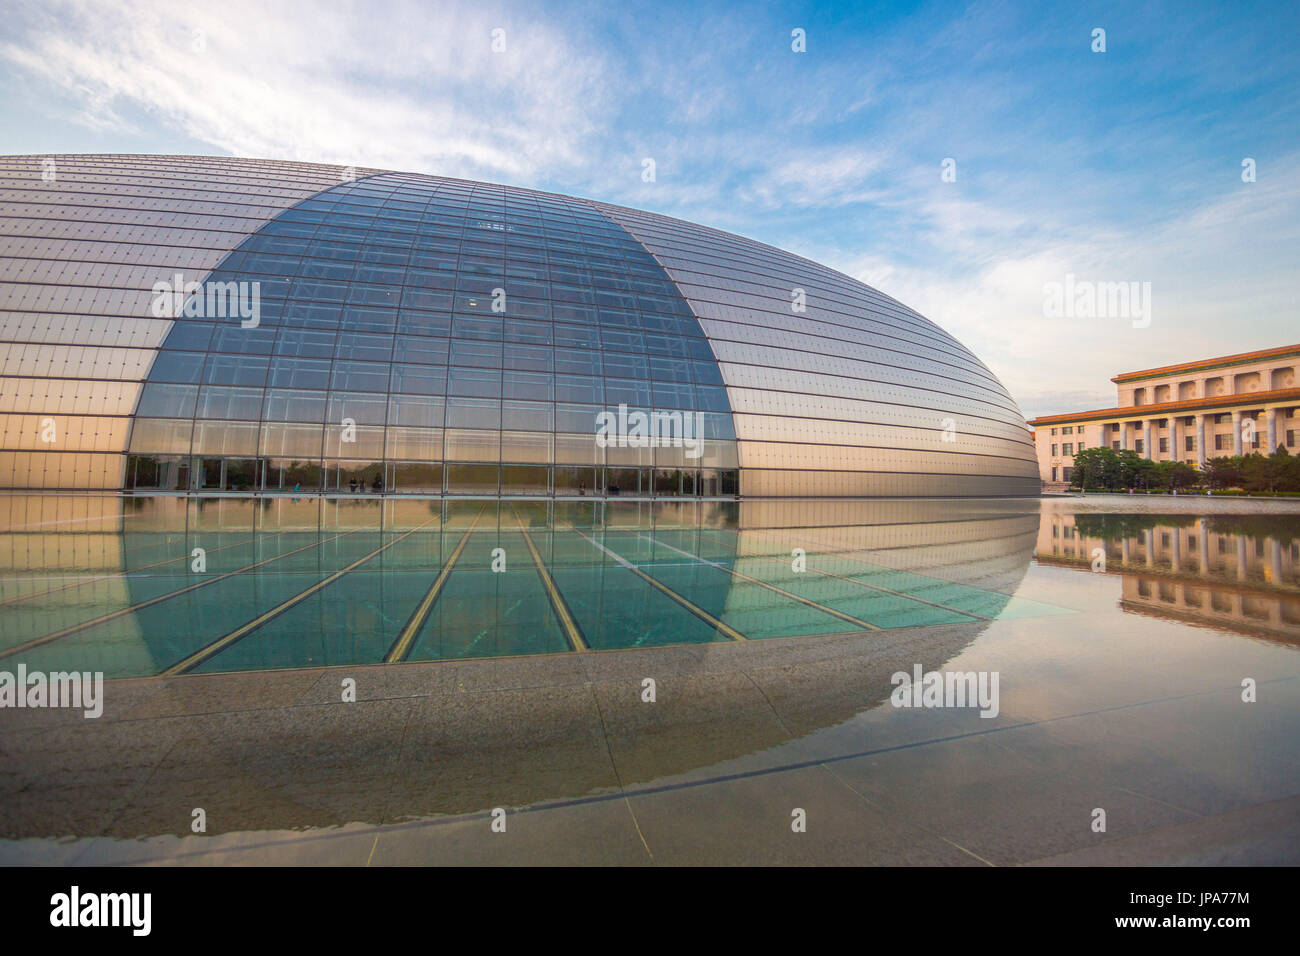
(1105,469)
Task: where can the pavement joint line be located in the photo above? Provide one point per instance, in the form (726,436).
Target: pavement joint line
(912,823)
(221,643)
(141,786)
(618,777)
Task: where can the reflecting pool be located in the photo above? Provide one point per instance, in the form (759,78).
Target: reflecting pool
(363,679)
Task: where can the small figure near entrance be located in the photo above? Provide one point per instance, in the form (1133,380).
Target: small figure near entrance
(377,486)
(352,485)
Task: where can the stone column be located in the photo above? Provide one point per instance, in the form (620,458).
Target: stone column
(1175,453)
(1147,451)
(1176,551)
(1123,436)
(1203,545)
(1270,417)
(1200,441)
(1236,432)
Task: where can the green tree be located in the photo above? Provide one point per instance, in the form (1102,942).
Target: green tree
(1277,472)
(1174,475)
(1139,472)
(1221,473)
(1094,468)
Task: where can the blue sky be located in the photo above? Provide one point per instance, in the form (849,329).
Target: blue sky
(1115,166)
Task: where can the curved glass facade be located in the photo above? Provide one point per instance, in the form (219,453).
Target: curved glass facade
(421,336)
(418,335)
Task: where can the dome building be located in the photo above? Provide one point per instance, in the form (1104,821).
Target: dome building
(210,325)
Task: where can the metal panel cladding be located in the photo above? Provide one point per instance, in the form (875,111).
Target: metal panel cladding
(83,241)
(835,388)
(421,335)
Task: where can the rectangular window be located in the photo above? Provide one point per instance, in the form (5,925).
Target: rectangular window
(1164,444)
(294,373)
(1189,443)
(1067,449)
(525,480)
(182,367)
(415,410)
(421,349)
(414,477)
(576,388)
(474,382)
(1053,450)
(167,401)
(231,404)
(360,376)
(472,479)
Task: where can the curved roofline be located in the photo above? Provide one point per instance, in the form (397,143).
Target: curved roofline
(364,172)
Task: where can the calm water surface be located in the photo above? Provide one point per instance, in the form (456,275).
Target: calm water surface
(501,649)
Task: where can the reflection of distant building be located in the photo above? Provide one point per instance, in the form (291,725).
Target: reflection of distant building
(1190,570)
(1190,413)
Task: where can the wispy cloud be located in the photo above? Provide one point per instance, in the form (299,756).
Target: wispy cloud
(351,84)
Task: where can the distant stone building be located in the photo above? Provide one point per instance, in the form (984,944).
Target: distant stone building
(1231,405)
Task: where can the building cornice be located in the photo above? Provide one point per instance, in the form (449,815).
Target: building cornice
(1162,409)
(1224,361)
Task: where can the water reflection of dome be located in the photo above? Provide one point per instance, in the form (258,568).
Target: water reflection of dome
(530,739)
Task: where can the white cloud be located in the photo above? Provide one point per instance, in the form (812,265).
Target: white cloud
(1220,274)
(398,87)
(816,177)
